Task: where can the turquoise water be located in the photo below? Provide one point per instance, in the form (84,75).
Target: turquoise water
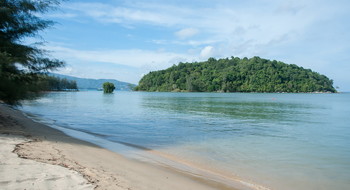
(279,141)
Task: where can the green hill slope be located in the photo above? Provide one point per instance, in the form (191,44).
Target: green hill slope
(236,75)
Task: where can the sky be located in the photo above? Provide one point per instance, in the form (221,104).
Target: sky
(126,39)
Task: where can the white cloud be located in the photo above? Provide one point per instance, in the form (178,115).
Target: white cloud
(136,58)
(127,65)
(63,15)
(186,33)
(207,52)
(229,25)
(120,14)
(232,28)
(67,70)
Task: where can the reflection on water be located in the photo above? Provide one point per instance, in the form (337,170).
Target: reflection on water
(284,141)
(108,99)
(231,108)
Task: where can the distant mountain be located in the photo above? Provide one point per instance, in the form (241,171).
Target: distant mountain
(85,83)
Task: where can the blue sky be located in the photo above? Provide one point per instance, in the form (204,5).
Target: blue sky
(126,39)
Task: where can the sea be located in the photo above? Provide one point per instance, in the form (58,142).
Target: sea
(278,141)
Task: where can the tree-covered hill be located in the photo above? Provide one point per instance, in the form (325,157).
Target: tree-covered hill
(236,75)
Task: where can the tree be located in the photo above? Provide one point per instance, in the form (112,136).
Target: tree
(51,83)
(20,64)
(108,87)
(236,75)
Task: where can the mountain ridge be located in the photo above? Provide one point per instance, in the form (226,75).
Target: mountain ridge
(88,83)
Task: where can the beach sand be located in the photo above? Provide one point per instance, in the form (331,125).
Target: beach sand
(35,156)
(18,173)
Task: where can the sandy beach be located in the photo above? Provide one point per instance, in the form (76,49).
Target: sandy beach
(19,173)
(35,156)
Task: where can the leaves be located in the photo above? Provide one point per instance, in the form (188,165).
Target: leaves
(108,87)
(236,75)
(21,64)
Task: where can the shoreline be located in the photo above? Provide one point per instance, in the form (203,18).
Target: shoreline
(102,168)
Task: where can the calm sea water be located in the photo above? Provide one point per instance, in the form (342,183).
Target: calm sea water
(280,141)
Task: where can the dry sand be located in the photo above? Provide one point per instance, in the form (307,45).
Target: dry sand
(49,159)
(18,173)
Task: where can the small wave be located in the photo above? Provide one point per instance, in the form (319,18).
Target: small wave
(44,100)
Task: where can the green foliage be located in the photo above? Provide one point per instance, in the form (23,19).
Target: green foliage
(50,83)
(236,75)
(20,64)
(108,87)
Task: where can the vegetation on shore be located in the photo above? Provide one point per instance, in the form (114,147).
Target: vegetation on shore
(51,83)
(236,75)
(22,65)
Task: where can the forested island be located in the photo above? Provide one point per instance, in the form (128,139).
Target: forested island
(236,75)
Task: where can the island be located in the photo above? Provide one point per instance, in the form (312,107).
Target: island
(236,75)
